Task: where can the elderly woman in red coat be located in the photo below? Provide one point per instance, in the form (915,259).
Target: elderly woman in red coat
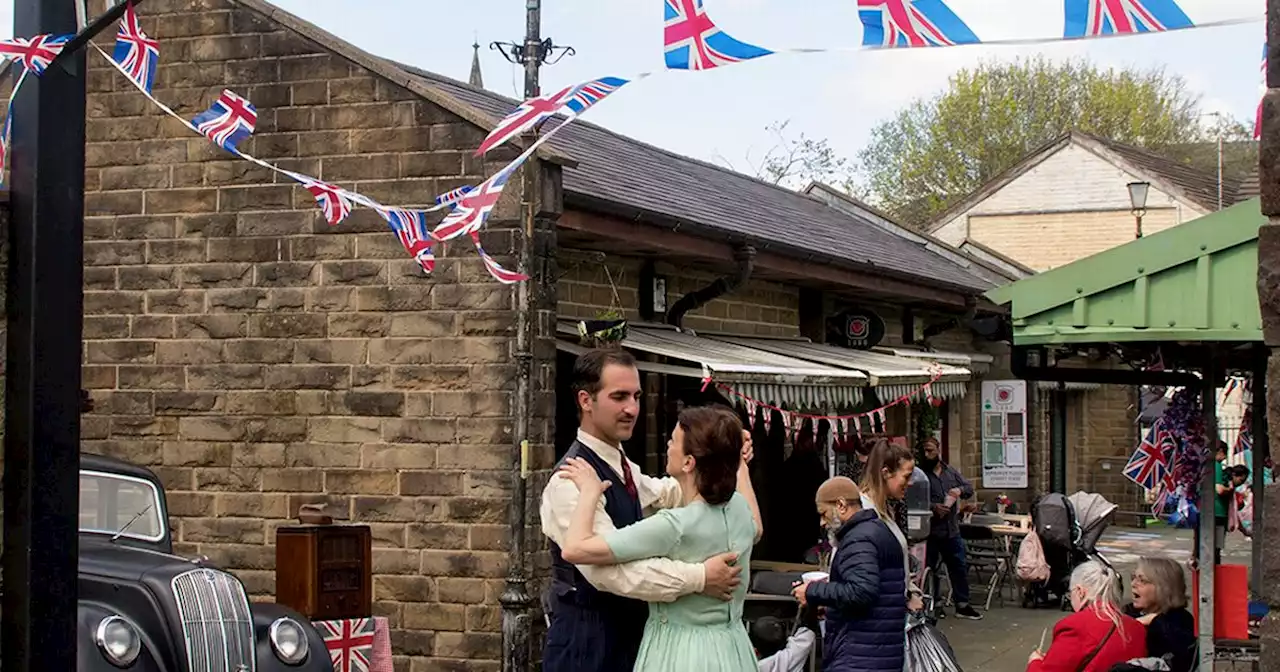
(1097,635)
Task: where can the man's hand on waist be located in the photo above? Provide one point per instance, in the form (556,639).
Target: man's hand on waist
(723,576)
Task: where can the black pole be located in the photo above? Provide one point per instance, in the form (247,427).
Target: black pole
(42,385)
(1058,440)
(1261,451)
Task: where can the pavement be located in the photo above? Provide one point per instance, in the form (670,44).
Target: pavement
(1007,634)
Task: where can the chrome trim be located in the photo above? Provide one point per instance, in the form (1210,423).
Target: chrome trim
(217,625)
(303,644)
(100,637)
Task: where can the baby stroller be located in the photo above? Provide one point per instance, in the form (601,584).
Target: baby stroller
(1069,529)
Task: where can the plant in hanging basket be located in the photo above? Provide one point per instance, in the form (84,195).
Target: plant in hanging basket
(607,330)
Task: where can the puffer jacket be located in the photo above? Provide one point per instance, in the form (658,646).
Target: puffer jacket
(865,599)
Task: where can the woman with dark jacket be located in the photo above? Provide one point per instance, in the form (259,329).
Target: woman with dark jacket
(1160,603)
(865,596)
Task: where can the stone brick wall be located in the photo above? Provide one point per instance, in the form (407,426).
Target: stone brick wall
(760,309)
(260,359)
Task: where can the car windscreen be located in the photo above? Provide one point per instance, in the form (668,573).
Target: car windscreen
(108,502)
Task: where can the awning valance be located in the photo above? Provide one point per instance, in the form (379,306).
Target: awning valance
(762,375)
(892,376)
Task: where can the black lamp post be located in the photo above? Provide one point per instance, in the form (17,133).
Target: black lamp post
(1138,204)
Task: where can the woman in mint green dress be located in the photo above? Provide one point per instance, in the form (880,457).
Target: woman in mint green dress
(708,457)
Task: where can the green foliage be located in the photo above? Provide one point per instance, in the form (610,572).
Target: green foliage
(995,114)
(927,421)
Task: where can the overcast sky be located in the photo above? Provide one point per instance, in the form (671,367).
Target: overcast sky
(721,115)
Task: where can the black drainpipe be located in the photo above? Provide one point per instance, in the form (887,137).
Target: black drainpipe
(745,256)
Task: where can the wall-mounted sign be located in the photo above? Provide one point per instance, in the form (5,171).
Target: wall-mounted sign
(857,328)
(1004,434)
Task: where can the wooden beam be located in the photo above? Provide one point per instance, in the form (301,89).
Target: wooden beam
(670,241)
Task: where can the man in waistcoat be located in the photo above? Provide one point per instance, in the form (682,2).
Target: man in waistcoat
(597,614)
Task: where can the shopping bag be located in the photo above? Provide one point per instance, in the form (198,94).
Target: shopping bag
(928,650)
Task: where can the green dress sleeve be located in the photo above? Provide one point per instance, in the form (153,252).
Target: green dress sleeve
(653,537)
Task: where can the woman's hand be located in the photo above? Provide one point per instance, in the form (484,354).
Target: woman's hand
(1035,655)
(748,449)
(584,476)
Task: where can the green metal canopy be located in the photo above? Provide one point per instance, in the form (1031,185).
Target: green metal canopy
(1193,282)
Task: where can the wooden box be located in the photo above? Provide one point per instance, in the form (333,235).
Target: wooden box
(325,572)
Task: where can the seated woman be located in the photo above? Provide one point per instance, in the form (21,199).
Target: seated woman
(1160,603)
(695,633)
(1097,636)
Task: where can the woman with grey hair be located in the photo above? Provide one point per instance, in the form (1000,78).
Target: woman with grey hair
(1160,603)
(1097,635)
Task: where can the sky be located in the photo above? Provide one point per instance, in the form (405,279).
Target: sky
(722,115)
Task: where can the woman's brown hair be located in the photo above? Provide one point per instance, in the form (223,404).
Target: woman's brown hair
(884,456)
(1170,584)
(713,436)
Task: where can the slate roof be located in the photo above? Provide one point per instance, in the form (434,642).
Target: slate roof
(613,169)
(1198,185)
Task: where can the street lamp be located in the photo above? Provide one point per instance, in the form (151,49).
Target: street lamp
(1138,204)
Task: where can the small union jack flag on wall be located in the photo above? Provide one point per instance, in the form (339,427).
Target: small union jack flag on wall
(350,643)
(410,226)
(912,23)
(334,202)
(1094,18)
(474,207)
(453,196)
(692,41)
(587,94)
(498,272)
(35,53)
(230,120)
(137,54)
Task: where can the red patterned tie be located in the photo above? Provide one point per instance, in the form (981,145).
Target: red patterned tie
(626,476)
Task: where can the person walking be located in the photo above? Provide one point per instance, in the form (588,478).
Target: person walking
(695,633)
(597,613)
(865,596)
(947,487)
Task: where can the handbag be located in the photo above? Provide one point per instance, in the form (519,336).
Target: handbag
(1093,654)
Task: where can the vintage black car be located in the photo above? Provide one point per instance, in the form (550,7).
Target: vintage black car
(143,608)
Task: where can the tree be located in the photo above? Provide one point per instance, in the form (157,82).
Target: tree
(794,162)
(993,115)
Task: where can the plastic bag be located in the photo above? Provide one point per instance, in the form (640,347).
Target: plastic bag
(1032,566)
(928,649)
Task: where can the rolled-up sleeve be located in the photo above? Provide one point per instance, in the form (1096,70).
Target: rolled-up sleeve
(651,580)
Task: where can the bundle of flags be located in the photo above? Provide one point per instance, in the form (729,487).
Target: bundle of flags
(1151,465)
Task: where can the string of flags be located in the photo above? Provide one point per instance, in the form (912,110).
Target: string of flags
(691,42)
(844,424)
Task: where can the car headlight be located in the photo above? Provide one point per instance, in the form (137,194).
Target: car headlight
(118,641)
(288,640)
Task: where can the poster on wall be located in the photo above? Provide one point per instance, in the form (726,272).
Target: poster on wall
(1004,434)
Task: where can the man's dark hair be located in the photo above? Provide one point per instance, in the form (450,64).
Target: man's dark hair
(589,366)
(769,635)
(1222,447)
(1240,471)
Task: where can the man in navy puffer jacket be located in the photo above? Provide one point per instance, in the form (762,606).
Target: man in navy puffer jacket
(865,597)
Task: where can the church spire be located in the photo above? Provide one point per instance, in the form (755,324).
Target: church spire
(476,79)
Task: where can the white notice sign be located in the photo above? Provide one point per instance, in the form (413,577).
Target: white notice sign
(1004,434)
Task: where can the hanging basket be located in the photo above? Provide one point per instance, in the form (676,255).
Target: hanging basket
(602,333)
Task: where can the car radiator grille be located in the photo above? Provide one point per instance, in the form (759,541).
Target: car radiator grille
(216,622)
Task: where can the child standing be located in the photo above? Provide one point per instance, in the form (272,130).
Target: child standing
(865,597)
(777,651)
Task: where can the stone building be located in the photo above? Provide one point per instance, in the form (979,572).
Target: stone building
(258,359)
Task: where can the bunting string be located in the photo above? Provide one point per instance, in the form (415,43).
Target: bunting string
(752,403)
(691,42)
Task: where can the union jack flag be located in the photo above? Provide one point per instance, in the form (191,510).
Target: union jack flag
(585,95)
(912,23)
(410,226)
(451,197)
(334,201)
(230,120)
(137,54)
(471,211)
(36,53)
(498,272)
(692,41)
(525,117)
(1257,122)
(350,643)
(1093,18)
(1149,465)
